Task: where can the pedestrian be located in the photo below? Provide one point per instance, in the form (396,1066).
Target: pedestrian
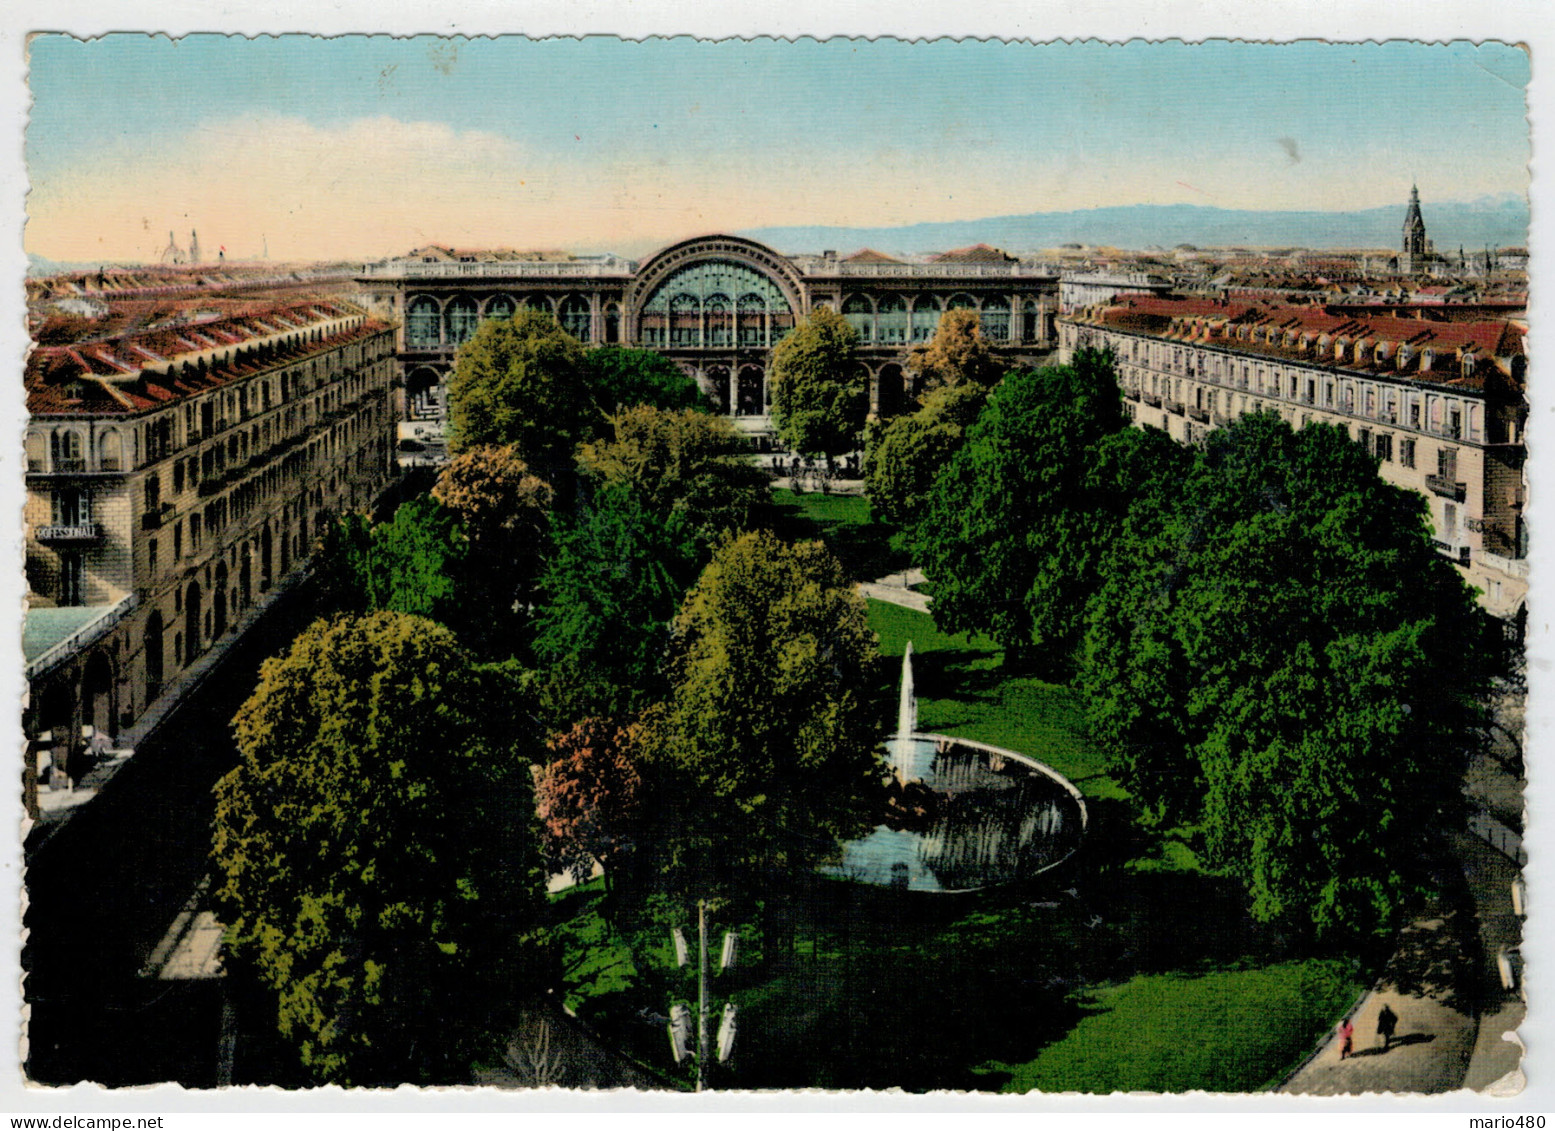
(1346,1038)
(1387,1023)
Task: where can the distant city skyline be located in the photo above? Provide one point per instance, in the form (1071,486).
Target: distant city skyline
(359,147)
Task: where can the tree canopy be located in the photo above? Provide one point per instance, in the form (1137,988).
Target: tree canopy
(522,381)
(957,354)
(1014,525)
(375,868)
(820,393)
(1279,654)
(621,377)
(905,454)
(680,462)
(608,595)
(414,563)
(765,752)
(589,795)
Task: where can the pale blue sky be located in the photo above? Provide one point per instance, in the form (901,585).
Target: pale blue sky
(363,146)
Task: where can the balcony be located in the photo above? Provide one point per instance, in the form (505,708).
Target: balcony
(1219,419)
(1173,407)
(76,532)
(210,486)
(153,518)
(1151,399)
(1446,487)
(1199,414)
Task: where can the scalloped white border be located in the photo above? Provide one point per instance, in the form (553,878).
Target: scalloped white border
(1527,21)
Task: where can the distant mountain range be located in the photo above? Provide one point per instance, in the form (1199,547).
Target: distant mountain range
(1495,221)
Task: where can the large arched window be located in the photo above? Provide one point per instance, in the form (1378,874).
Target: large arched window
(859,313)
(538,303)
(686,302)
(995,319)
(613,323)
(961,302)
(67,450)
(685,320)
(891,319)
(718,320)
(925,318)
(460,318)
(422,323)
(576,318)
(500,306)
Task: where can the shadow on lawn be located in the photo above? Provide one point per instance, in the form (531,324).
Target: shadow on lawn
(867,550)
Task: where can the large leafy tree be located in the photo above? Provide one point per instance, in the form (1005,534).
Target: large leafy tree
(1279,654)
(621,377)
(522,381)
(608,595)
(907,453)
(375,866)
(589,795)
(504,511)
(1014,526)
(765,753)
(414,563)
(680,462)
(820,393)
(957,354)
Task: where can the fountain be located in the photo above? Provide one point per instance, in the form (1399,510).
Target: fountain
(985,816)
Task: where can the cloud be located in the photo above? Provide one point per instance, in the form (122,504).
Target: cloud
(1292,150)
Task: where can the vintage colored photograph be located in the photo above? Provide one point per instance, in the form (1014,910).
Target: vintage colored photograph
(758,564)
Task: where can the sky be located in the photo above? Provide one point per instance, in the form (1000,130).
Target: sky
(365,146)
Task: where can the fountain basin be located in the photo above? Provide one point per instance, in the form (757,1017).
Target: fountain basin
(995,817)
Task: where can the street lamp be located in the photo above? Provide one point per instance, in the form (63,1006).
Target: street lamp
(680,1020)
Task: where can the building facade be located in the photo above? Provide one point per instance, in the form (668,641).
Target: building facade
(1439,404)
(716,305)
(174,476)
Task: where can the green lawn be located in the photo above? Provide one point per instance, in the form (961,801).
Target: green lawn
(866,548)
(1138,969)
(963,691)
(1229,1031)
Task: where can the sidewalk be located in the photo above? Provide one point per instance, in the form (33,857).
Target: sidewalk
(896,589)
(57,806)
(1422,983)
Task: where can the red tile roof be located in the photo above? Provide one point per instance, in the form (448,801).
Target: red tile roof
(117,376)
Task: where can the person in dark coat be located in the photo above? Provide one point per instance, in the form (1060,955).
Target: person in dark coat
(1387,1022)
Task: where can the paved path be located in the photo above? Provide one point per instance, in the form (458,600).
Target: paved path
(896,588)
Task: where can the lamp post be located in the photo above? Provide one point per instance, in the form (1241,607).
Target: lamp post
(680,1021)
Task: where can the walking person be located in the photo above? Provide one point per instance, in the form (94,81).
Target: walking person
(1346,1038)
(1387,1023)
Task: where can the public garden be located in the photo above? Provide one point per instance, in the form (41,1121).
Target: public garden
(603,649)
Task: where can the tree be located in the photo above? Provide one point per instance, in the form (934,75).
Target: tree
(764,756)
(957,354)
(374,865)
(1014,526)
(589,795)
(522,381)
(1280,654)
(680,462)
(505,514)
(820,394)
(621,378)
(413,563)
(608,595)
(906,453)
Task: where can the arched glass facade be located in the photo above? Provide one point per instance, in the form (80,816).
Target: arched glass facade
(891,319)
(995,319)
(461,317)
(696,307)
(860,314)
(576,318)
(422,322)
(500,306)
(925,318)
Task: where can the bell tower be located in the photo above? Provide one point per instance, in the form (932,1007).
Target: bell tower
(1415,244)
